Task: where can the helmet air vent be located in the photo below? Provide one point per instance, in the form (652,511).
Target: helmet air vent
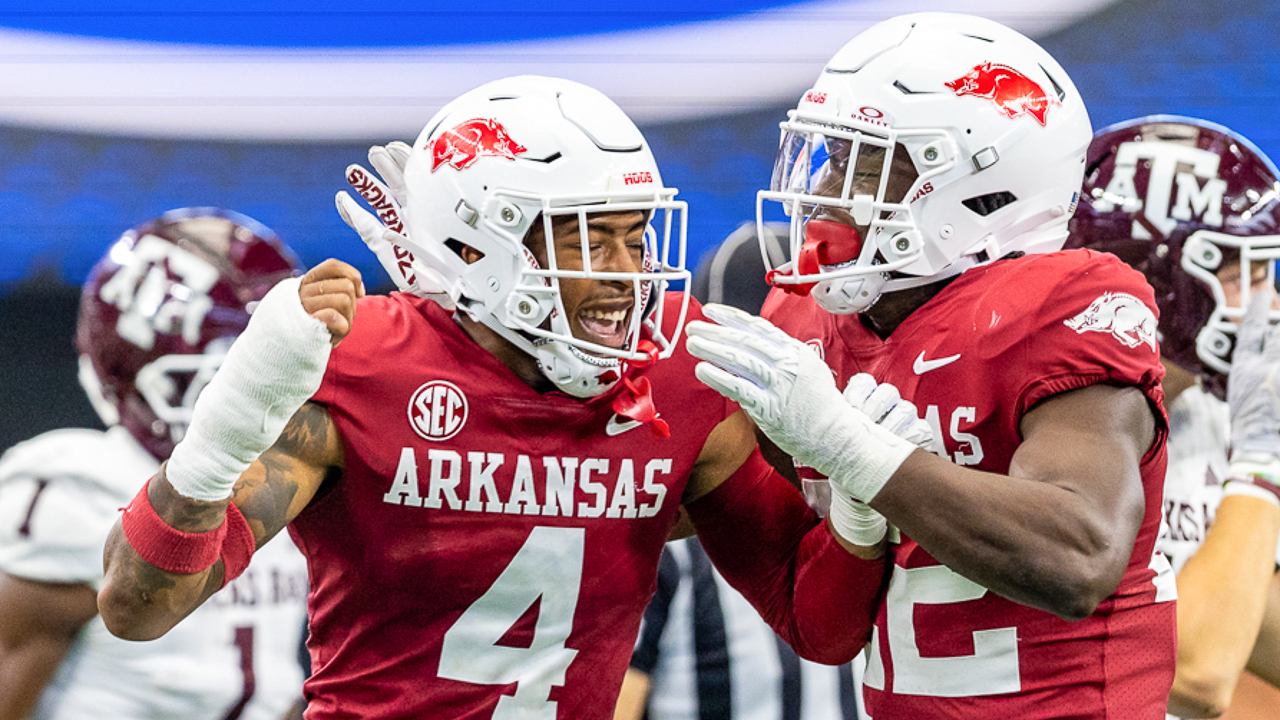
(1062,94)
(602,122)
(908,91)
(984,205)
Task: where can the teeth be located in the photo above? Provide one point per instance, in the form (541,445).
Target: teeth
(615,316)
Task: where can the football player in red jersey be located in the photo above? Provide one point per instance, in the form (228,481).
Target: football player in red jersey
(929,176)
(483,494)
(1193,206)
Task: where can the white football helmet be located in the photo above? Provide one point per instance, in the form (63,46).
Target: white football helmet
(967,143)
(531,149)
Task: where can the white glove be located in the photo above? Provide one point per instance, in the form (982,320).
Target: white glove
(854,520)
(882,403)
(385,234)
(1253,396)
(789,392)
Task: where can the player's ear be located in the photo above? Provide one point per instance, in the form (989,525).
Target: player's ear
(468,254)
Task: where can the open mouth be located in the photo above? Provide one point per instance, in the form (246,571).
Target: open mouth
(604,327)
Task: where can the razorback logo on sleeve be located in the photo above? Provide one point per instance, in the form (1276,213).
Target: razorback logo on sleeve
(1123,315)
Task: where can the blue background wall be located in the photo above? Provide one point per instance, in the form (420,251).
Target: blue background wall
(65,195)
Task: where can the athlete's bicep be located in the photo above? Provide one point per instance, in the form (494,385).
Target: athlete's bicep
(280,483)
(1091,442)
(726,448)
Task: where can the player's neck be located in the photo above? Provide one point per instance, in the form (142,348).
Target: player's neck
(893,308)
(1176,381)
(517,361)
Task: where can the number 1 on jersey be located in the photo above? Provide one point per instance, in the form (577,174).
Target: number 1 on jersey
(547,567)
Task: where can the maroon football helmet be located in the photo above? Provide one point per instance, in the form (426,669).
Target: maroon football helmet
(1184,202)
(160,309)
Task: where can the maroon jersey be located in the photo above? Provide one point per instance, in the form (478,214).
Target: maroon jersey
(974,359)
(488,551)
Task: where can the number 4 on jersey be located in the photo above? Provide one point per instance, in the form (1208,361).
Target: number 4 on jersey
(548,566)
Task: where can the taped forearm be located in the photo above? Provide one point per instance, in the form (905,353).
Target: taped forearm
(273,367)
(764,539)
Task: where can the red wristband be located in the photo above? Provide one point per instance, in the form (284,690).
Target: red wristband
(238,547)
(165,546)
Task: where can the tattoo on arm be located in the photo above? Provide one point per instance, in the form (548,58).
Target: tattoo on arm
(299,461)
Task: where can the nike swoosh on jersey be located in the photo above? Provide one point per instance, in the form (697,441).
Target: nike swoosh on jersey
(613,427)
(922,366)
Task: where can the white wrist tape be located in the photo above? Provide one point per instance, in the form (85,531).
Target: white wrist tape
(855,521)
(857,455)
(273,367)
(1246,486)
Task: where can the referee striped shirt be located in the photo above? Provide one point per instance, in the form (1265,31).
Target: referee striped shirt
(710,656)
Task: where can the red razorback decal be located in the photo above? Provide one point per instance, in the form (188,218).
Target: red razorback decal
(1014,93)
(470,141)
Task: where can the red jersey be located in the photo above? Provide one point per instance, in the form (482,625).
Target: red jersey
(489,550)
(974,359)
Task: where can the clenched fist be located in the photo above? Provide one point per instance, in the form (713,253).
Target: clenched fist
(329,292)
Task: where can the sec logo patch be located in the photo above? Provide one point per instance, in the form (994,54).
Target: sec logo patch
(437,410)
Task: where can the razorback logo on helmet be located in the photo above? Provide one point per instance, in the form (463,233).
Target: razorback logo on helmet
(1182,184)
(462,145)
(1013,93)
(1123,315)
(437,410)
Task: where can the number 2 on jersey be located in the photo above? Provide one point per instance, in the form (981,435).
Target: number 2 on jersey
(992,669)
(547,567)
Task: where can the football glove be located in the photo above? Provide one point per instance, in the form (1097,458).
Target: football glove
(384,234)
(1253,397)
(789,392)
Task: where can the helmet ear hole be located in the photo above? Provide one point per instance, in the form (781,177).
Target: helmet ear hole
(468,254)
(984,205)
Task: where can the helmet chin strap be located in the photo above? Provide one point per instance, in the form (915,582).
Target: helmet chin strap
(576,372)
(847,296)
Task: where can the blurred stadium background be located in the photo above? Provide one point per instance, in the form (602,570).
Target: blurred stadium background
(112,112)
